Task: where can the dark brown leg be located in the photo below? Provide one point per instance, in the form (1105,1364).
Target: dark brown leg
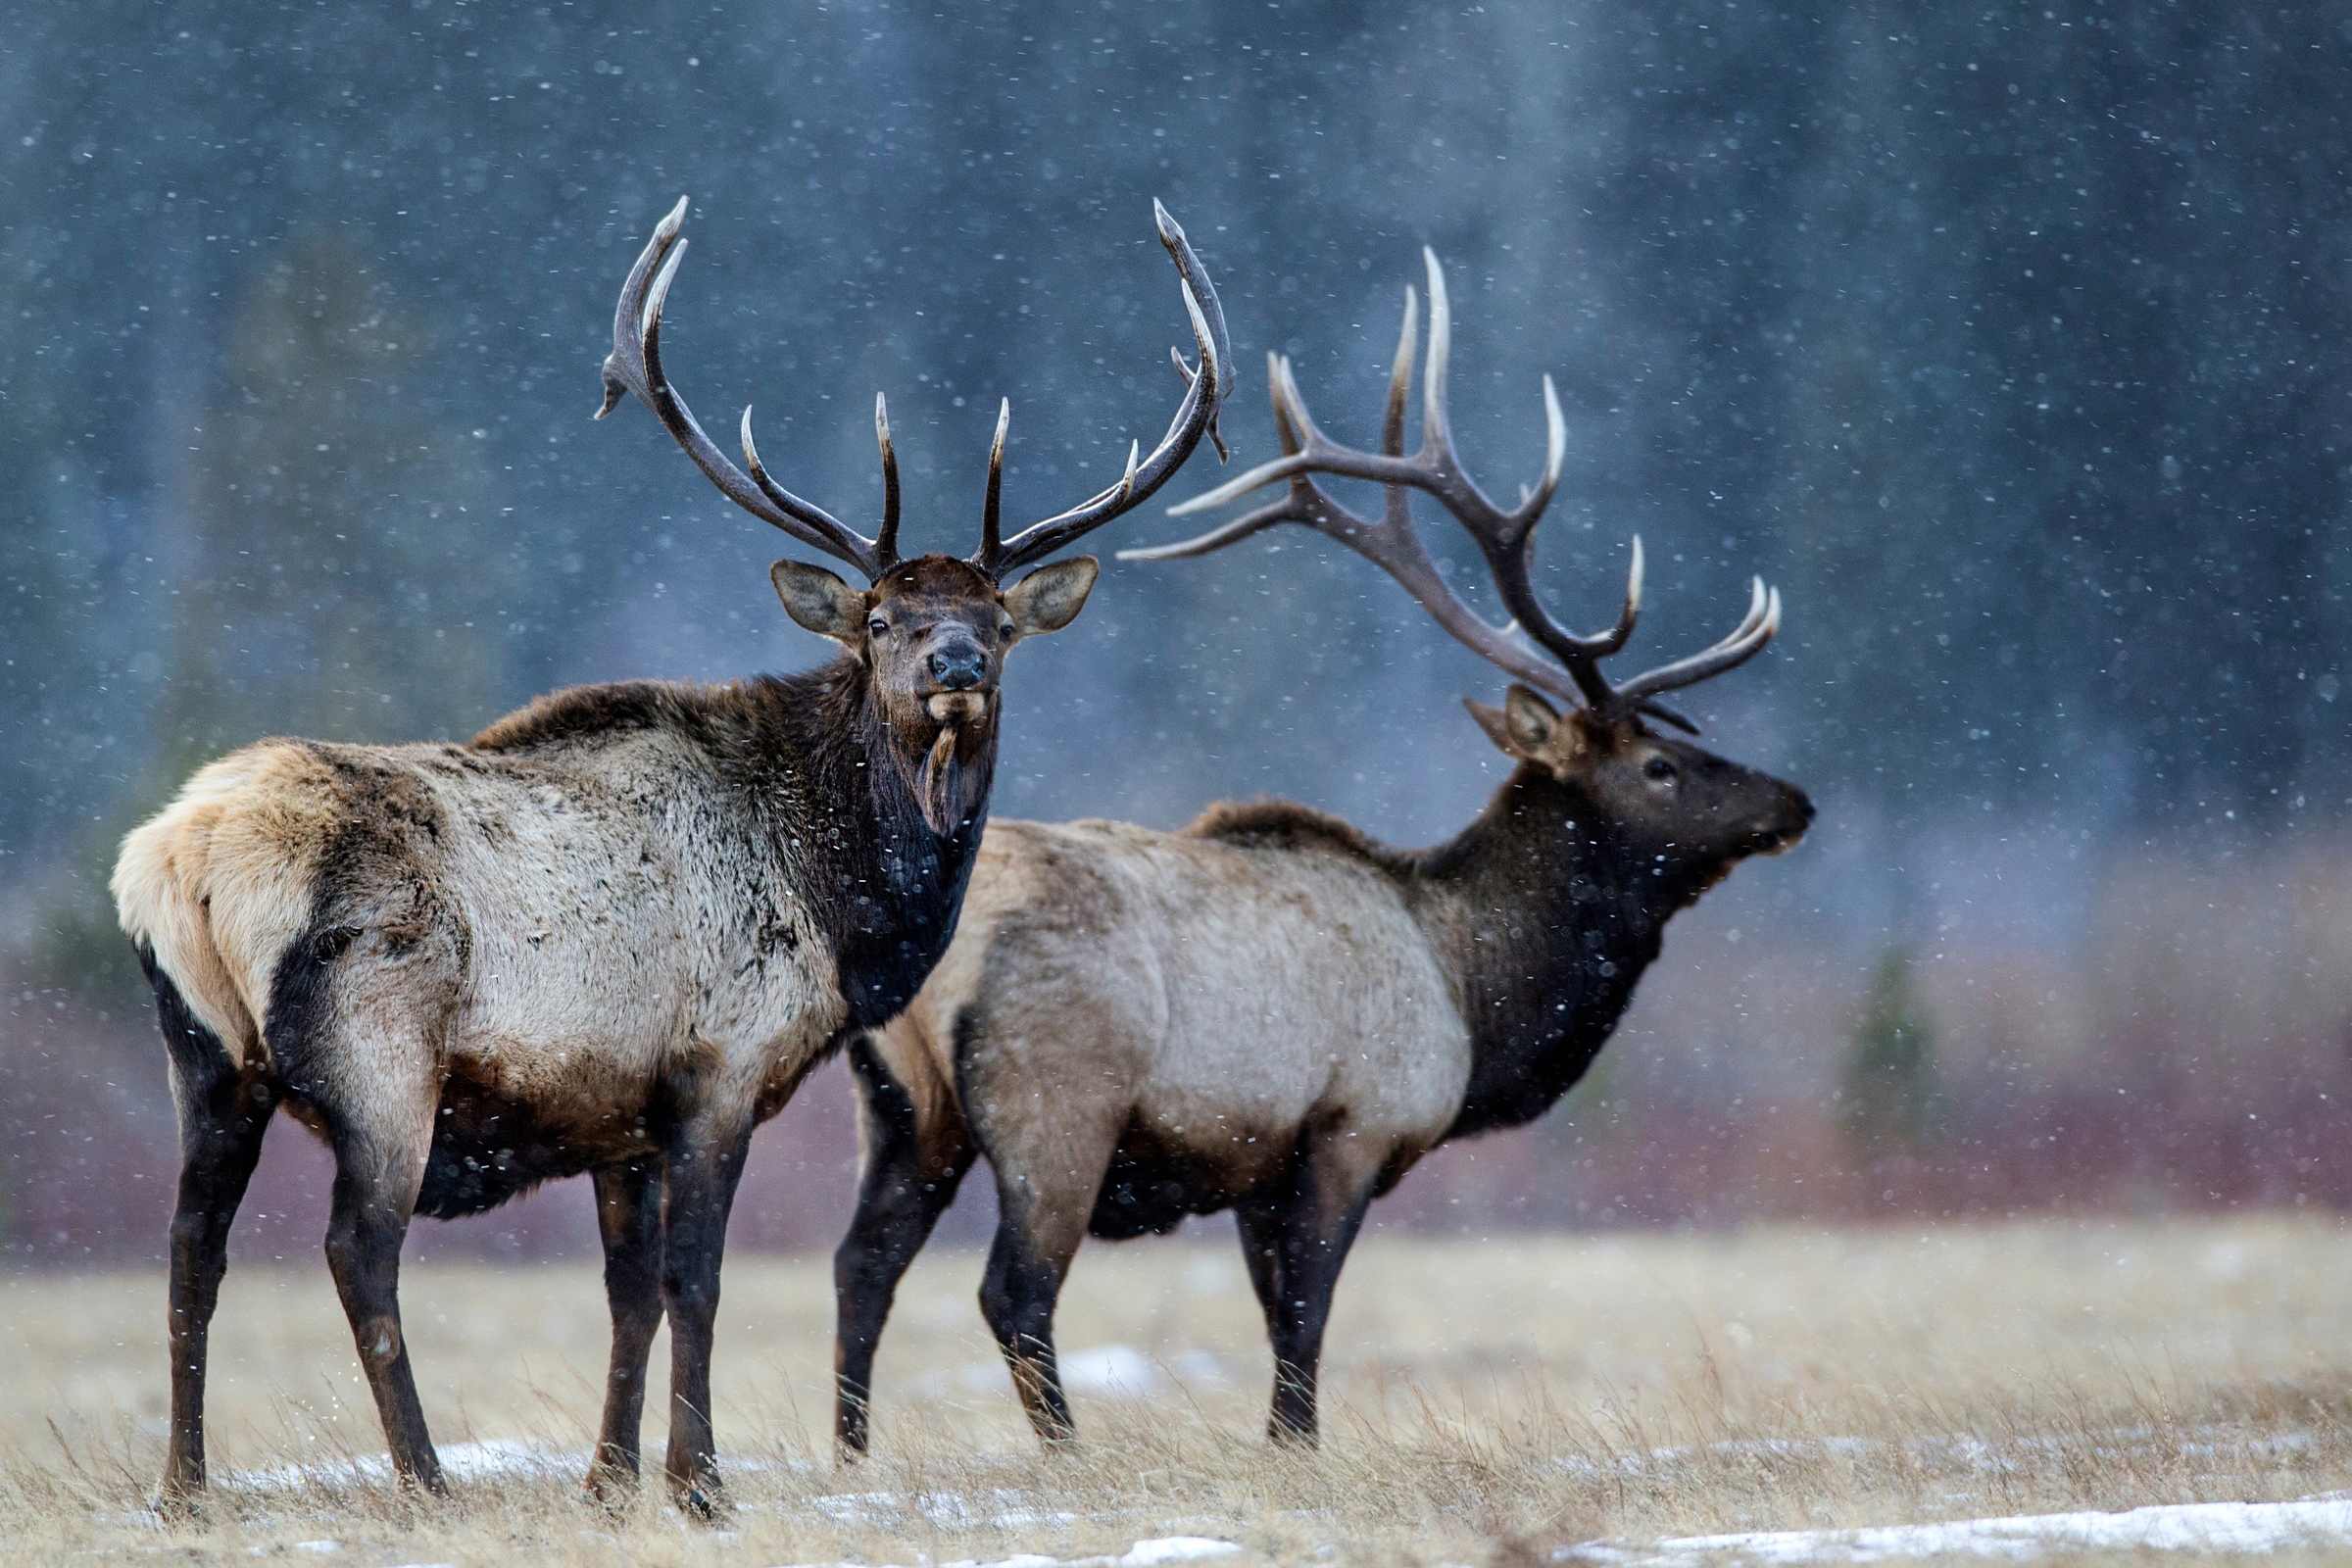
(222,1117)
(1049,1171)
(381,1135)
(911,1176)
(628,1215)
(1017,1294)
(704,1163)
(1296,1242)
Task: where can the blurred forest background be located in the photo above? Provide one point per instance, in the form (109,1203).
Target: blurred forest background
(2007,339)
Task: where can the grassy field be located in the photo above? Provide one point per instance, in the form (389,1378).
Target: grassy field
(1486,1402)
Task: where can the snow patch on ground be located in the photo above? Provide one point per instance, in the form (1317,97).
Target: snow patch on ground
(492,1459)
(945,1510)
(2240,1526)
(506,1458)
(1103,1371)
(1143,1554)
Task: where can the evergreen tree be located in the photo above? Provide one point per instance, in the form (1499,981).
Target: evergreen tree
(1892,1102)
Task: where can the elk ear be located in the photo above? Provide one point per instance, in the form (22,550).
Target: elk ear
(1531,720)
(821,601)
(1491,721)
(1051,597)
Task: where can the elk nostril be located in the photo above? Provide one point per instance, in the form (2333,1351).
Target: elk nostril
(958,672)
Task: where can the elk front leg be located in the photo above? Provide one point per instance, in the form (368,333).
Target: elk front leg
(628,1218)
(381,1131)
(911,1176)
(704,1163)
(222,1117)
(1295,1239)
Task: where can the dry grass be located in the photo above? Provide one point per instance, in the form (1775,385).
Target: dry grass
(1485,1400)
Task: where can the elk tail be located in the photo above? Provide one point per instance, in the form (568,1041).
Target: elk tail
(211,896)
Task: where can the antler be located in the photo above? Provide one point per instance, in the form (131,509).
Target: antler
(1197,415)
(635,366)
(1505,538)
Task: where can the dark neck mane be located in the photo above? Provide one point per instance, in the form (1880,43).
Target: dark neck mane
(884,886)
(1550,913)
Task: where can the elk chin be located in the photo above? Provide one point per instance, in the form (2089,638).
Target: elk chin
(957,708)
(952,785)
(1778,839)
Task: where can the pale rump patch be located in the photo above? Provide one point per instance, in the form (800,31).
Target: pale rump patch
(220,880)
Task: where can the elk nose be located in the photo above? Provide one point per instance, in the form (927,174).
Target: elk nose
(958,668)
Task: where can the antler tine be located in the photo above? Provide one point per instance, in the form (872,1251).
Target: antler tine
(1747,640)
(635,366)
(1199,291)
(1290,509)
(1505,539)
(1400,381)
(1436,434)
(1555,455)
(1390,543)
(886,543)
(1310,452)
(990,512)
(1205,389)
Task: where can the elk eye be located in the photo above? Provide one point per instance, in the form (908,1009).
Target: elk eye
(877,625)
(1004,630)
(1658,768)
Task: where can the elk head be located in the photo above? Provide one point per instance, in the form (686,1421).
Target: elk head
(1686,805)
(931,633)
(1674,807)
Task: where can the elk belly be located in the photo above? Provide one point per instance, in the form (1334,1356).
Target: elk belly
(1156,1177)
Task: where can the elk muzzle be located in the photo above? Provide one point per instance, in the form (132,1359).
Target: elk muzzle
(957,667)
(960,667)
(1786,827)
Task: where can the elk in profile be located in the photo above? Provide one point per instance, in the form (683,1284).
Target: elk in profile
(609,936)
(1268,1012)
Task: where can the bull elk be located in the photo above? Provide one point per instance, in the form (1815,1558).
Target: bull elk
(608,936)
(1268,1012)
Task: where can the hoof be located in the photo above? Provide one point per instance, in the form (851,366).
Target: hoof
(700,1499)
(702,1503)
(177,1503)
(427,1485)
(611,1486)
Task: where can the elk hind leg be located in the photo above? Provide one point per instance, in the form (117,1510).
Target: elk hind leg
(1296,1241)
(224,1113)
(378,1112)
(911,1176)
(629,1219)
(1045,1195)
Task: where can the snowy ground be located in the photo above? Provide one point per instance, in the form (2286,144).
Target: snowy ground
(2197,1527)
(2235,1528)
(1993,1392)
